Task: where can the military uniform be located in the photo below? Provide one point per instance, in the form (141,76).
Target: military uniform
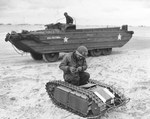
(69,19)
(79,77)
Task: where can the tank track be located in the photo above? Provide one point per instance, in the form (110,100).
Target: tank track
(123,100)
(52,84)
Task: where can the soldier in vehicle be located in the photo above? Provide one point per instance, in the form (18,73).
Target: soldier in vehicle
(74,66)
(69,19)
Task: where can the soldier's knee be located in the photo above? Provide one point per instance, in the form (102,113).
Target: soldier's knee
(87,75)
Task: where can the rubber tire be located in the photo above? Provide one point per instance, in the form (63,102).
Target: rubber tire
(91,52)
(107,51)
(51,57)
(36,56)
(95,52)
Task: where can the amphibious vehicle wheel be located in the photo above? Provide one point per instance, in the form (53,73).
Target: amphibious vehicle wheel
(91,53)
(51,57)
(95,52)
(36,56)
(107,51)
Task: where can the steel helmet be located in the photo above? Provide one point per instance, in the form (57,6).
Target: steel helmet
(65,13)
(82,51)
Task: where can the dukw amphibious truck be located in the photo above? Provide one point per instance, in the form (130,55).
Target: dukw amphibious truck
(56,38)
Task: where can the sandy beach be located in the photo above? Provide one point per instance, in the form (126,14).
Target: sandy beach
(22,80)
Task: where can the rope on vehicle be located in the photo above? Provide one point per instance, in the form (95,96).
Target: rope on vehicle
(17,50)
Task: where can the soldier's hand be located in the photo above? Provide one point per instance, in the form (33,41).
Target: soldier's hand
(72,69)
(79,69)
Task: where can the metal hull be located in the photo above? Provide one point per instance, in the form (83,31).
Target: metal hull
(92,100)
(49,41)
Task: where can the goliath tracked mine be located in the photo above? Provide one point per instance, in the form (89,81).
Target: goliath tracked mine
(56,38)
(91,100)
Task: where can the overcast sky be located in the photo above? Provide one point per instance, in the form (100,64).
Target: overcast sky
(85,12)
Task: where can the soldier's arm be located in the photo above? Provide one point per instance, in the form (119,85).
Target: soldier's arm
(84,67)
(63,65)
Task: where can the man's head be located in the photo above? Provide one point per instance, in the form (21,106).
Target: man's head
(81,52)
(65,14)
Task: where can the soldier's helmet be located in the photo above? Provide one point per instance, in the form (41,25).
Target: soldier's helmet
(65,13)
(82,50)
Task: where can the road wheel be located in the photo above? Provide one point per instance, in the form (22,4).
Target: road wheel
(36,56)
(95,109)
(91,53)
(51,57)
(96,52)
(107,51)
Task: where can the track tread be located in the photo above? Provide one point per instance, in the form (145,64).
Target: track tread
(52,84)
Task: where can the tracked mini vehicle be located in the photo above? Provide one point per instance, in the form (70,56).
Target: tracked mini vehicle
(57,38)
(91,100)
